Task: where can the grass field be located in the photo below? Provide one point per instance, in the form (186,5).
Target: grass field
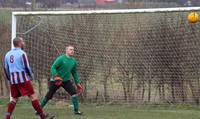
(91,111)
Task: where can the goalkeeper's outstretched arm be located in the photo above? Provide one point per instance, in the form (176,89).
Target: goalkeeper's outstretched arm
(75,74)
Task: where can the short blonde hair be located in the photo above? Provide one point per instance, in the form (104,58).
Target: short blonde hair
(68,47)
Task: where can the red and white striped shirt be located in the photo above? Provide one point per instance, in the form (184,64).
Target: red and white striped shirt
(16,66)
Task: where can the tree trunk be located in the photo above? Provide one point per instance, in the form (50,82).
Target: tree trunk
(105,89)
(198,90)
(143,90)
(149,90)
(163,91)
(172,90)
(33,6)
(160,90)
(39,87)
(1,87)
(7,89)
(182,90)
(124,88)
(194,95)
(85,89)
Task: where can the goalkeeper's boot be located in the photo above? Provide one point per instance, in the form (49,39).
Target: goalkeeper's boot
(78,113)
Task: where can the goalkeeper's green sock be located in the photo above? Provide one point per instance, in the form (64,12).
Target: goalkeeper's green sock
(43,102)
(75,103)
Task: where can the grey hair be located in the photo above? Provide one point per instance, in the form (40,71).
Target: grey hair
(16,41)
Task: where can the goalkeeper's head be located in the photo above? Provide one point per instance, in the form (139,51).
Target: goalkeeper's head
(69,50)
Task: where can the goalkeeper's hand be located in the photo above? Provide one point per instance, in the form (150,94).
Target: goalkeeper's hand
(58,80)
(79,88)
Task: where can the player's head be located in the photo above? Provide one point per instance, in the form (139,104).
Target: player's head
(18,42)
(69,50)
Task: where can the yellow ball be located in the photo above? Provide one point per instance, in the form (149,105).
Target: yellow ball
(193,17)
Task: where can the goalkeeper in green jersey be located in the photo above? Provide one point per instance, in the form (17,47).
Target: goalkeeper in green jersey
(61,70)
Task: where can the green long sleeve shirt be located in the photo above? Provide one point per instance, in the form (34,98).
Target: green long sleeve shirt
(64,66)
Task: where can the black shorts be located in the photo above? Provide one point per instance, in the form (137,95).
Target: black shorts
(68,86)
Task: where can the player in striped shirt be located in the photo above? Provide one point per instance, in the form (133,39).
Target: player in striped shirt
(19,74)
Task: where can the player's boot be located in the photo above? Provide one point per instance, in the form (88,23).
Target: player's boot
(78,113)
(45,116)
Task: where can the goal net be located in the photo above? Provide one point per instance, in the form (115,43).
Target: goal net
(139,55)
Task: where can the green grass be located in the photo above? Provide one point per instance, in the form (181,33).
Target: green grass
(91,111)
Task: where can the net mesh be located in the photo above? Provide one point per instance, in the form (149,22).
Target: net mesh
(134,57)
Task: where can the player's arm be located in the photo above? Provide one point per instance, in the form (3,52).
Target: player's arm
(26,65)
(6,68)
(75,74)
(76,79)
(56,64)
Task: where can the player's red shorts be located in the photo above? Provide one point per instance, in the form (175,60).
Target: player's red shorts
(22,89)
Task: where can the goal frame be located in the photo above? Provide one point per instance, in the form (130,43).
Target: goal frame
(113,11)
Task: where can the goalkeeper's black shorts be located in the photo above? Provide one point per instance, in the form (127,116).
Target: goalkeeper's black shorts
(68,86)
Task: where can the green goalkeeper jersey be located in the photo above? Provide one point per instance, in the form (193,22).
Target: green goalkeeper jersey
(64,66)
